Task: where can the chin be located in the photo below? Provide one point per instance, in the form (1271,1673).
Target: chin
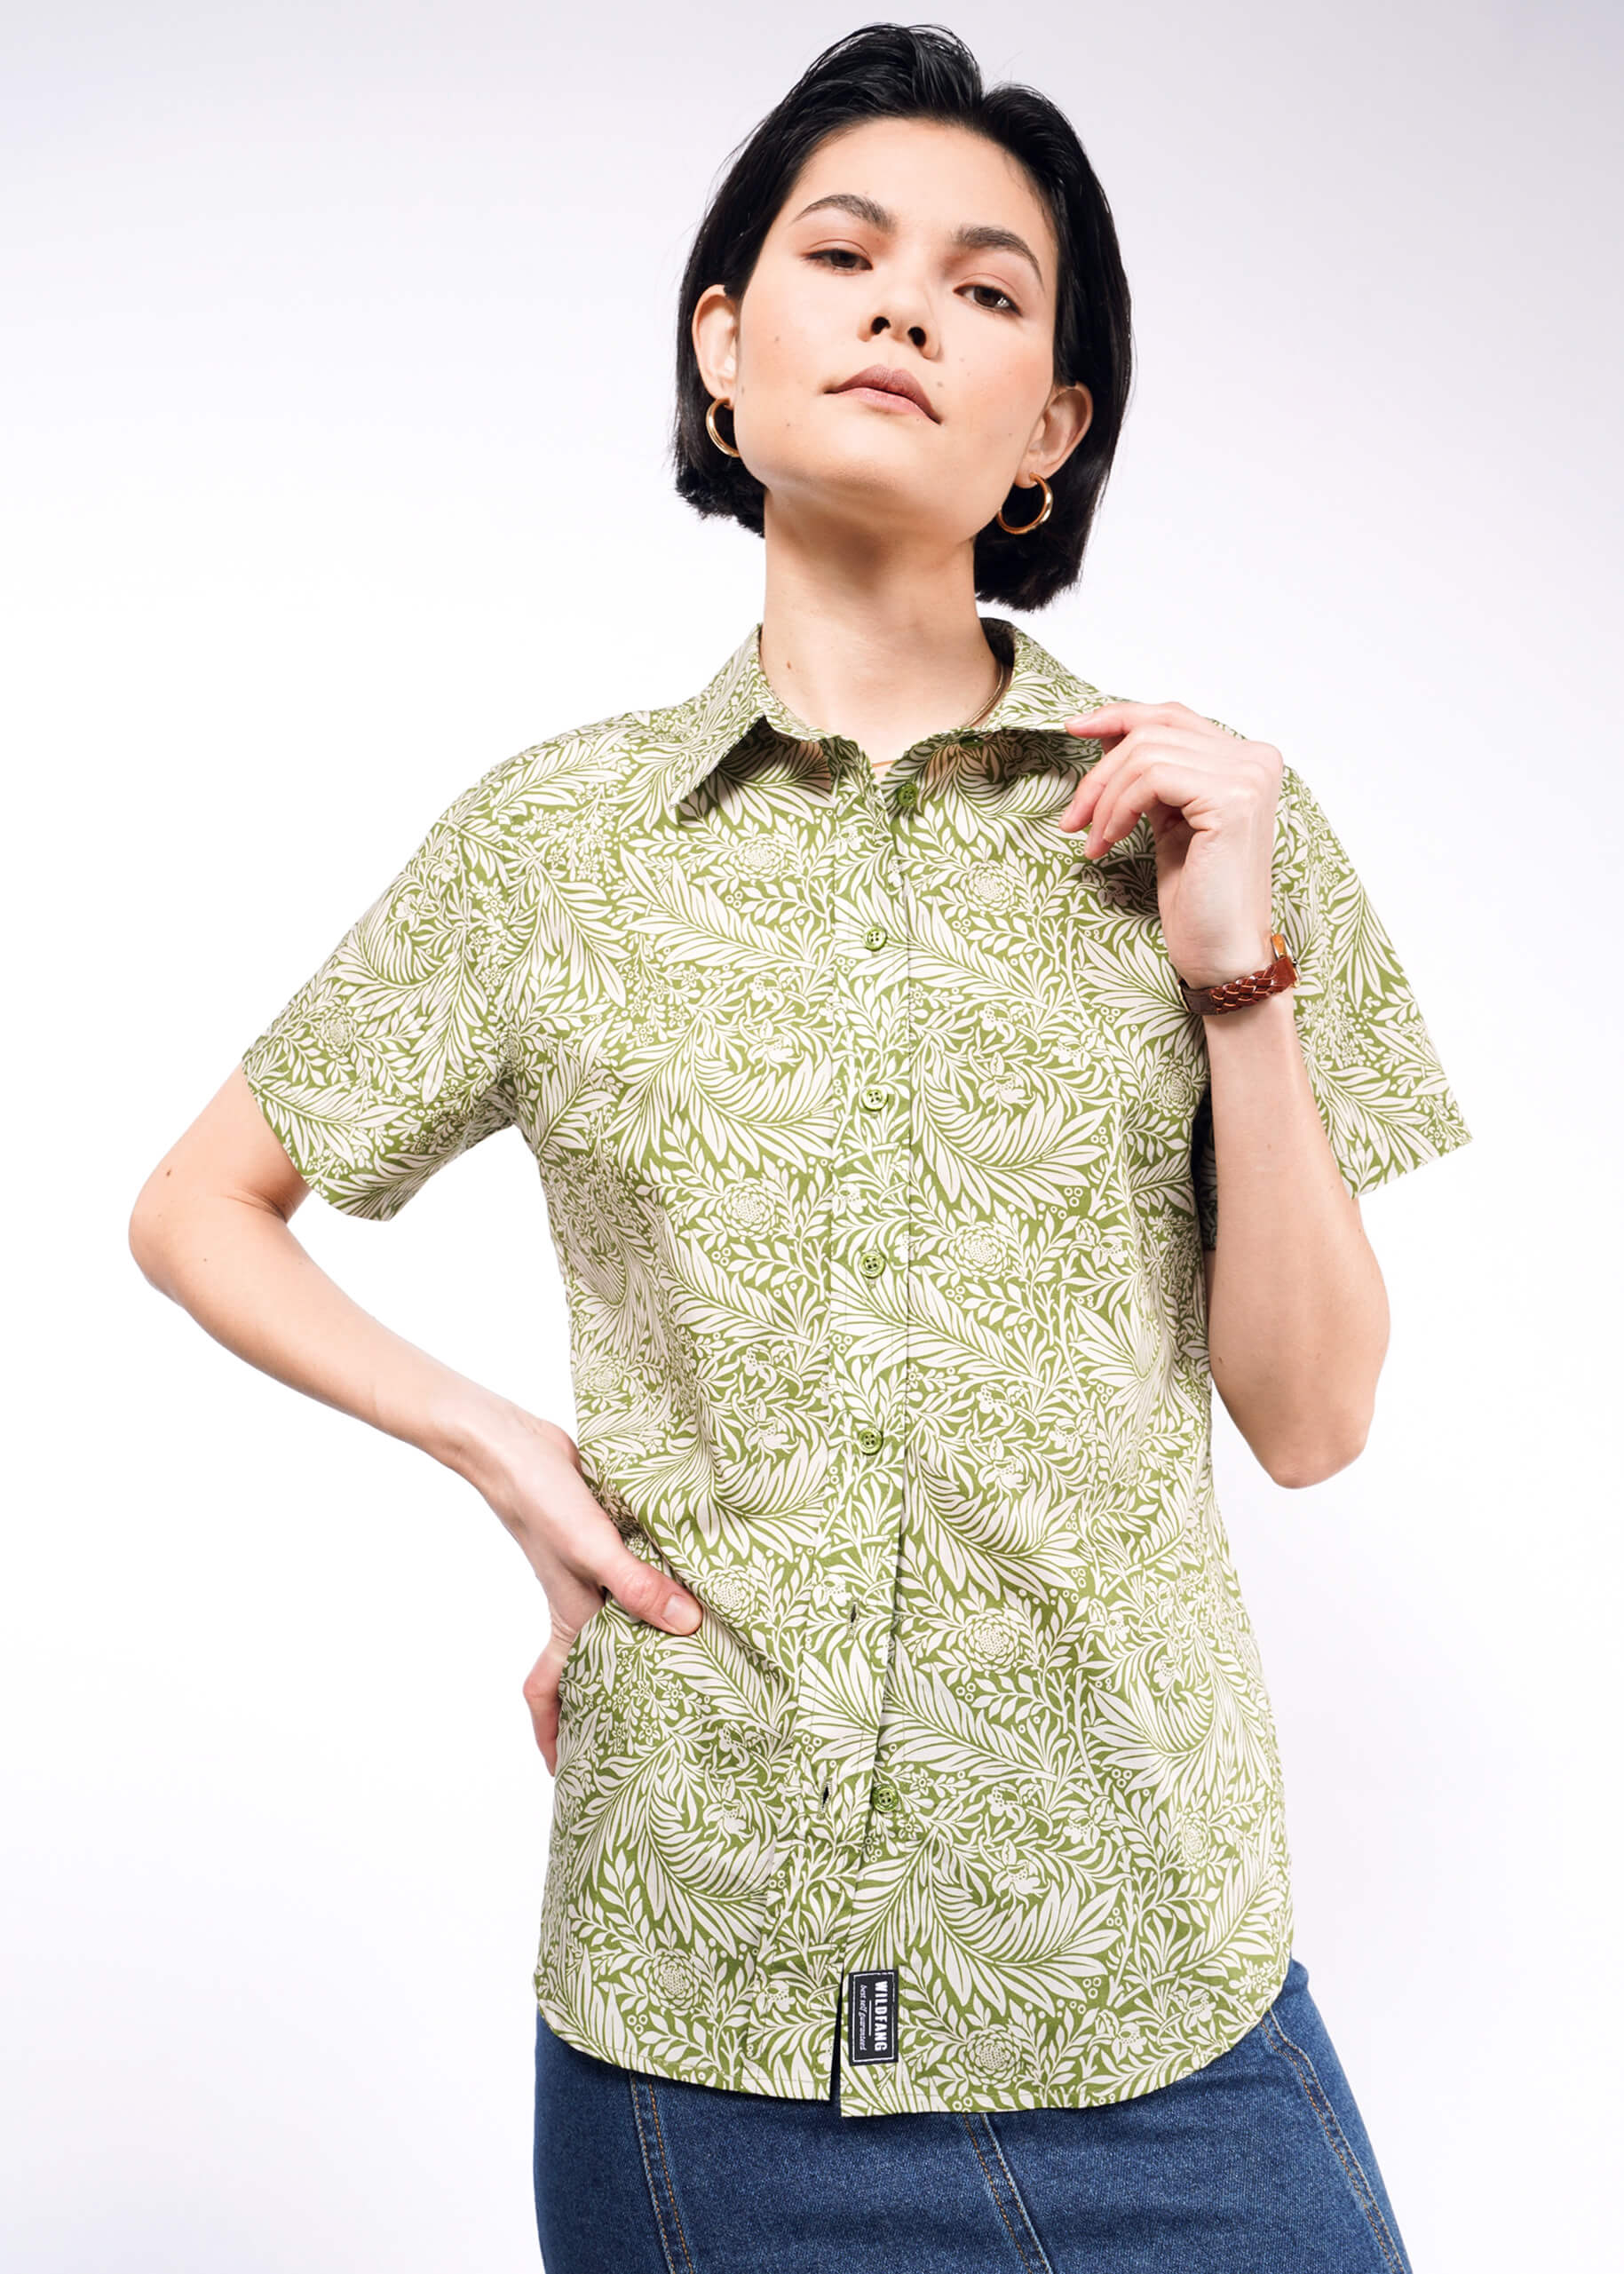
(884,488)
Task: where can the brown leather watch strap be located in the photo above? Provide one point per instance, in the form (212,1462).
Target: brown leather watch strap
(1234,995)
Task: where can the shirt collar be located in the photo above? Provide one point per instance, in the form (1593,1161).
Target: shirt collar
(695,736)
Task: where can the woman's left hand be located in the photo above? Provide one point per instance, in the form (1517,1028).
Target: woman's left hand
(1211,800)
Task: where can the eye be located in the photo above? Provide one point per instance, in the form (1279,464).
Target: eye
(840,257)
(999,301)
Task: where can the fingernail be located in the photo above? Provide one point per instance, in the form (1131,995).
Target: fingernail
(679,1607)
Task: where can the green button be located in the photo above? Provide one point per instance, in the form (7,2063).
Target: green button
(906,792)
(875,1096)
(871,1438)
(875,937)
(871,1262)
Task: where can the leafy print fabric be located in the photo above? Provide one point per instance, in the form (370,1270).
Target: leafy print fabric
(871,1129)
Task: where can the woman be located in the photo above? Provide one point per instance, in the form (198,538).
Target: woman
(895,1022)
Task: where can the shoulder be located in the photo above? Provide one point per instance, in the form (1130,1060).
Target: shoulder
(1303,836)
(1042,690)
(579,773)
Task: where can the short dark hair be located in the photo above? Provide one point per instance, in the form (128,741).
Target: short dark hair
(923,71)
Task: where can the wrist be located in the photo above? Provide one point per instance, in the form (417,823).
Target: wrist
(1244,1028)
(1247,952)
(1247,987)
(484,1438)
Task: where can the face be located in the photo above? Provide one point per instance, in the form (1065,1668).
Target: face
(891,360)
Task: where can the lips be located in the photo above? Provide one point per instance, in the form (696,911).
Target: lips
(881,380)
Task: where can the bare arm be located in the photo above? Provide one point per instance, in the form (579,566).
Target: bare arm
(1297,1319)
(210,1229)
(1296,1310)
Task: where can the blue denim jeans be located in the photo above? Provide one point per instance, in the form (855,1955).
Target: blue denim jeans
(1256,2164)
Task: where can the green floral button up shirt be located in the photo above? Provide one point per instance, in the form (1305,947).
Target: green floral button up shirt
(870,1125)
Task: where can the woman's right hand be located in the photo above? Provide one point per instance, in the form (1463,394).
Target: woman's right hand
(535,1485)
(210,1229)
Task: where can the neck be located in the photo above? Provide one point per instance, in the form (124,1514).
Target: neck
(881,643)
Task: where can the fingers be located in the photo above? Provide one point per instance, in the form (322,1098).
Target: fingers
(1096,797)
(646,1593)
(1147,781)
(1111,718)
(581,1548)
(649,1594)
(540,1689)
(1165,754)
(580,1557)
(573,1599)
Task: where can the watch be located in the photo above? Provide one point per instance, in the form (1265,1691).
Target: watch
(1234,995)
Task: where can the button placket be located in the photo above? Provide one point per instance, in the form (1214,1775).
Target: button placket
(847,1646)
(849,1650)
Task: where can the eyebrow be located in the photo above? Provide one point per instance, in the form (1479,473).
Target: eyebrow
(973,237)
(984,237)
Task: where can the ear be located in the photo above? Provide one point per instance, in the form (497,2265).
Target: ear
(1065,420)
(716,340)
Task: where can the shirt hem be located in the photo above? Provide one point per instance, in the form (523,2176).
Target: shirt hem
(928,2100)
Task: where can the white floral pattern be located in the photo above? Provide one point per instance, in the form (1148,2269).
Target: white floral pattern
(874,1139)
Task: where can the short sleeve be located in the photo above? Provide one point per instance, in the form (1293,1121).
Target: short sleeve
(1382,1091)
(391,1059)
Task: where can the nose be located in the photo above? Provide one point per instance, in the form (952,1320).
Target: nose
(904,311)
(915,331)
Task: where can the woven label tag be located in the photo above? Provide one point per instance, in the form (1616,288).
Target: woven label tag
(872,2027)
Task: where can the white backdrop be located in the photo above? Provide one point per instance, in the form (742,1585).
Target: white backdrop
(335,393)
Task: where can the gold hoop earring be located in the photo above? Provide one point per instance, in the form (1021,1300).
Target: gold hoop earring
(710,429)
(1024,529)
